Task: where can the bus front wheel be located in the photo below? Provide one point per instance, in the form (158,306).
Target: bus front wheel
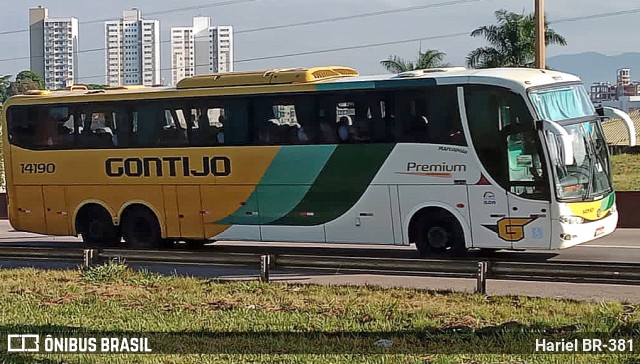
(141,229)
(438,232)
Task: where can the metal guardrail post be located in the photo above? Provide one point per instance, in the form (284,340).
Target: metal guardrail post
(265,264)
(481,276)
(91,257)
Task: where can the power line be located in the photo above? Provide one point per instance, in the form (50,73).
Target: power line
(161,12)
(340,49)
(595,16)
(562,20)
(356,16)
(291,25)
(452,35)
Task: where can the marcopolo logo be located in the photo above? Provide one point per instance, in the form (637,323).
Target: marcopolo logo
(168,166)
(442,170)
(452,149)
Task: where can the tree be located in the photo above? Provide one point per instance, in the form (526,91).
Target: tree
(5,83)
(31,76)
(512,40)
(431,58)
(22,86)
(25,81)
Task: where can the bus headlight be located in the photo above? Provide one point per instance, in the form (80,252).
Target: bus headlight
(567,219)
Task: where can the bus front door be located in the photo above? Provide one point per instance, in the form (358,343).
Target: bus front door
(489,211)
(529,196)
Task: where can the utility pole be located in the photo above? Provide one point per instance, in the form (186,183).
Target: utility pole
(540,35)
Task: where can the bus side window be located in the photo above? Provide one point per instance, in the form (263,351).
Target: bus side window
(277,121)
(41,127)
(208,124)
(22,126)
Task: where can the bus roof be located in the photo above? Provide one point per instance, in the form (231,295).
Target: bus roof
(330,78)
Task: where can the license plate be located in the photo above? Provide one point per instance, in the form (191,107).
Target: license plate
(599,231)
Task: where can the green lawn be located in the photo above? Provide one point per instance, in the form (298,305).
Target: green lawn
(626,172)
(113,298)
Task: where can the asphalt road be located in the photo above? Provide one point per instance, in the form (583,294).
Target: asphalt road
(622,246)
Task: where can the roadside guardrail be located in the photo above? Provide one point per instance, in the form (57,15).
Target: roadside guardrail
(481,271)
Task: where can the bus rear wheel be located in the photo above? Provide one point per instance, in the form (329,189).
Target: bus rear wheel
(141,229)
(195,244)
(438,232)
(96,227)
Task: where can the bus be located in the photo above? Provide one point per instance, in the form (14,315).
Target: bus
(445,159)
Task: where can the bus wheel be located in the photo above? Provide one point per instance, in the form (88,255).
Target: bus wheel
(195,244)
(437,232)
(96,227)
(140,228)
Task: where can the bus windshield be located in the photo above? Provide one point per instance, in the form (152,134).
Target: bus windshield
(562,103)
(589,175)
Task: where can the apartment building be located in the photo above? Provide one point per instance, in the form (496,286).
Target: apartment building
(200,49)
(132,50)
(53,46)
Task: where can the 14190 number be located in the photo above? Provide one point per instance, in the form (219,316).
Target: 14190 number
(37,168)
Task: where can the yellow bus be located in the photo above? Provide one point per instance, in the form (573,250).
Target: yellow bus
(446,159)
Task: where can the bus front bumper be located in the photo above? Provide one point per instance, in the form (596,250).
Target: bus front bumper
(568,235)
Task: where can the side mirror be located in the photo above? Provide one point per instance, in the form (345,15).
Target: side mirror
(614,113)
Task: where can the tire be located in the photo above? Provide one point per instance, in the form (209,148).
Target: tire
(96,227)
(193,244)
(141,230)
(438,235)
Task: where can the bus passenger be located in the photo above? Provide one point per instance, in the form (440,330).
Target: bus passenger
(46,129)
(344,129)
(220,135)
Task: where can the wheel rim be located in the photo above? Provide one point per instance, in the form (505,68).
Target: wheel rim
(438,237)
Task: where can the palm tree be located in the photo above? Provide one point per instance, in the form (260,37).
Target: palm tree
(5,81)
(512,40)
(431,58)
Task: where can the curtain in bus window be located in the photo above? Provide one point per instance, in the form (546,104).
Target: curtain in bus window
(236,126)
(150,120)
(562,104)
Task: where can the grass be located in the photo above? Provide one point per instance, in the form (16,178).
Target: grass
(114,298)
(626,172)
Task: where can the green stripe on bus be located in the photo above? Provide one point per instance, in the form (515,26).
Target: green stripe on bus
(362,85)
(284,184)
(608,202)
(341,86)
(341,184)
(403,82)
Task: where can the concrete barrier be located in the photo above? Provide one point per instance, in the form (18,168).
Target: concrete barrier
(627,202)
(3,206)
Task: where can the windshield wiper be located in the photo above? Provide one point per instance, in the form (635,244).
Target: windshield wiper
(592,168)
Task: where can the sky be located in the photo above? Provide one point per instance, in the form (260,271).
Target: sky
(607,35)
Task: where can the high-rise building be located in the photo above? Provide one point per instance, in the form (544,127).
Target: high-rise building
(200,49)
(133,50)
(53,48)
